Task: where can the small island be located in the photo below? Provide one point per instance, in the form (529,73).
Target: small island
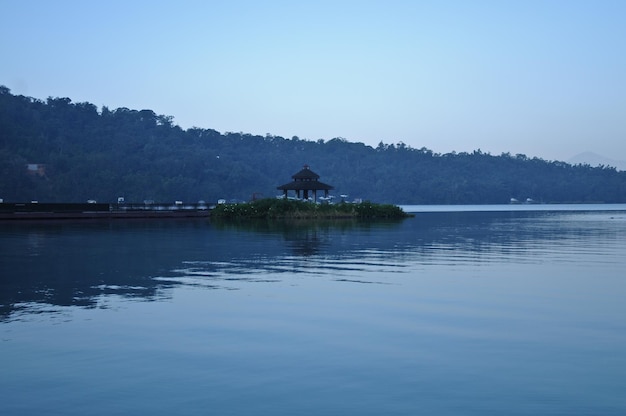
(282,208)
(305,184)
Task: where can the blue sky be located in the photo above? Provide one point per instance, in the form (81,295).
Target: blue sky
(543,78)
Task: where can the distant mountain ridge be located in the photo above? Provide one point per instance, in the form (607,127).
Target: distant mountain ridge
(59,151)
(594,159)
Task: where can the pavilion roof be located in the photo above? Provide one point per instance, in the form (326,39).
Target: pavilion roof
(307,180)
(305,174)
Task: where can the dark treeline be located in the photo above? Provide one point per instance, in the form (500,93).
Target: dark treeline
(88,153)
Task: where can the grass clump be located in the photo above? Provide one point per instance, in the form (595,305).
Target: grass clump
(270,208)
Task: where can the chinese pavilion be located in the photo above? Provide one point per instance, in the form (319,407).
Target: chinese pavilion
(305,183)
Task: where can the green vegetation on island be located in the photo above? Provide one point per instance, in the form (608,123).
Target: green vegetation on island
(272,208)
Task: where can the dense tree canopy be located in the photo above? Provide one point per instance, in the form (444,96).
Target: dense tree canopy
(92,154)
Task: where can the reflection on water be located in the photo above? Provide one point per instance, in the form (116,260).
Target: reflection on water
(75,264)
(447,313)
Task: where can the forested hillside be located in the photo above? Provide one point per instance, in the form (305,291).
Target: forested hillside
(59,151)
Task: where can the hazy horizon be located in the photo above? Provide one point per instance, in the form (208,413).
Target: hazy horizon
(545,79)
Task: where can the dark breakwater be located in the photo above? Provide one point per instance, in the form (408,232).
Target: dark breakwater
(44,211)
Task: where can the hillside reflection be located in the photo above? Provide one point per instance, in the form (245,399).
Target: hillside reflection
(80,263)
(305,237)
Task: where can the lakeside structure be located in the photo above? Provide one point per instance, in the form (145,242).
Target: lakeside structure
(305,182)
(43,211)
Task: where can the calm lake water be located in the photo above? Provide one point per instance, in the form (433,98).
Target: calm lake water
(457,311)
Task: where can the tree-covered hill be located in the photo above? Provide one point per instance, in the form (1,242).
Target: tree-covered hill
(59,151)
